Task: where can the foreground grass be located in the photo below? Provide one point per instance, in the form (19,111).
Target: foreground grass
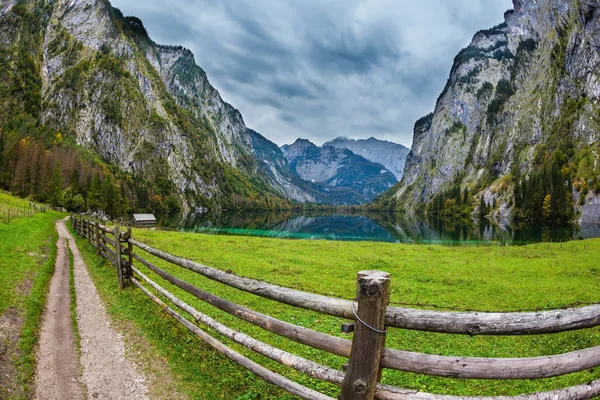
(27,256)
(464,278)
(459,278)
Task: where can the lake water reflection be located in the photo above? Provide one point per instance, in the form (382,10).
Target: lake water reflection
(378,227)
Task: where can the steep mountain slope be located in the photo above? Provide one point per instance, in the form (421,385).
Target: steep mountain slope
(339,168)
(274,166)
(518,121)
(80,67)
(391,155)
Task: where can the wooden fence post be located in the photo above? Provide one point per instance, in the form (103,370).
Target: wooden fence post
(372,299)
(128,269)
(118,256)
(97,229)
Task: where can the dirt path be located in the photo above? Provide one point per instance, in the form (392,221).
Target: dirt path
(107,374)
(57,374)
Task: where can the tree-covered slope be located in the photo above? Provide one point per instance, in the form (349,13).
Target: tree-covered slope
(82,69)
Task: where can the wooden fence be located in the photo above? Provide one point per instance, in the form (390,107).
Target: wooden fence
(8,213)
(372,317)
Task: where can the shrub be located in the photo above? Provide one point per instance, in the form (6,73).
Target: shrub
(486,89)
(504,91)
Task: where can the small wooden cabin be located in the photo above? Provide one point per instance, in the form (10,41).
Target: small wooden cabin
(143,221)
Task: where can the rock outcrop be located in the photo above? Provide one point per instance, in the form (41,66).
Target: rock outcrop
(518,94)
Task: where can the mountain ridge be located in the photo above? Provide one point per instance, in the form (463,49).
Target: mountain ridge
(521,99)
(97,77)
(338,168)
(389,154)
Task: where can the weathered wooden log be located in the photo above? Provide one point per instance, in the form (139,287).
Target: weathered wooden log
(105,239)
(466,323)
(492,368)
(444,366)
(317,340)
(276,379)
(109,251)
(108,257)
(106,229)
(372,296)
(303,365)
(323,304)
(481,323)
(580,392)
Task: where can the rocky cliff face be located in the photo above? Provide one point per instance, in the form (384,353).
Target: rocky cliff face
(96,76)
(338,168)
(273,165)
(391,155)
(516,95)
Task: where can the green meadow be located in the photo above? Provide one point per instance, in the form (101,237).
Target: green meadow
(27,254)
(486,278)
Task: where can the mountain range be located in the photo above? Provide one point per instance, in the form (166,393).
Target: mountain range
(89,103)
(83,72)
(338,168)
(391,155)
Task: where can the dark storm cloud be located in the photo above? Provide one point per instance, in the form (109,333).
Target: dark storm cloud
(345,52)
(321,69)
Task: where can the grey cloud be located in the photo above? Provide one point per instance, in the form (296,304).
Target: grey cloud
(290,89)
(346,52)
(323,69)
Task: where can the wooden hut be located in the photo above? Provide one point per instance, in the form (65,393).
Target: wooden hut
(143,221)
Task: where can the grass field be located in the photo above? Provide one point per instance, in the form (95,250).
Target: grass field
(463,278)
(13,207)
(27,254)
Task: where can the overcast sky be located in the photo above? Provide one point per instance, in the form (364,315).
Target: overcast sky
(319,69)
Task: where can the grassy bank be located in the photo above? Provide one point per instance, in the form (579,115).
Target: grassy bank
(462,278)
(27,255)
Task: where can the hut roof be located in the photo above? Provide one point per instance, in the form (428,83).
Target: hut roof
(144,218)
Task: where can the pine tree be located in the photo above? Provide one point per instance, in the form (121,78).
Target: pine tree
(483,208)
(75,181)
(2,178)
(111,197)
(55,186)
(94,198)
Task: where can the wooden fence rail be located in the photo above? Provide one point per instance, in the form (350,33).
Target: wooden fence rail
(372,317)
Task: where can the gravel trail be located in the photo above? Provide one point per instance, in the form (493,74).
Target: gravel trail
(107,374)
(57,375)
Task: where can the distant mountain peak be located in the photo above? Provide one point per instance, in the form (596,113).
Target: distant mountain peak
(338,168)
(389,154)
